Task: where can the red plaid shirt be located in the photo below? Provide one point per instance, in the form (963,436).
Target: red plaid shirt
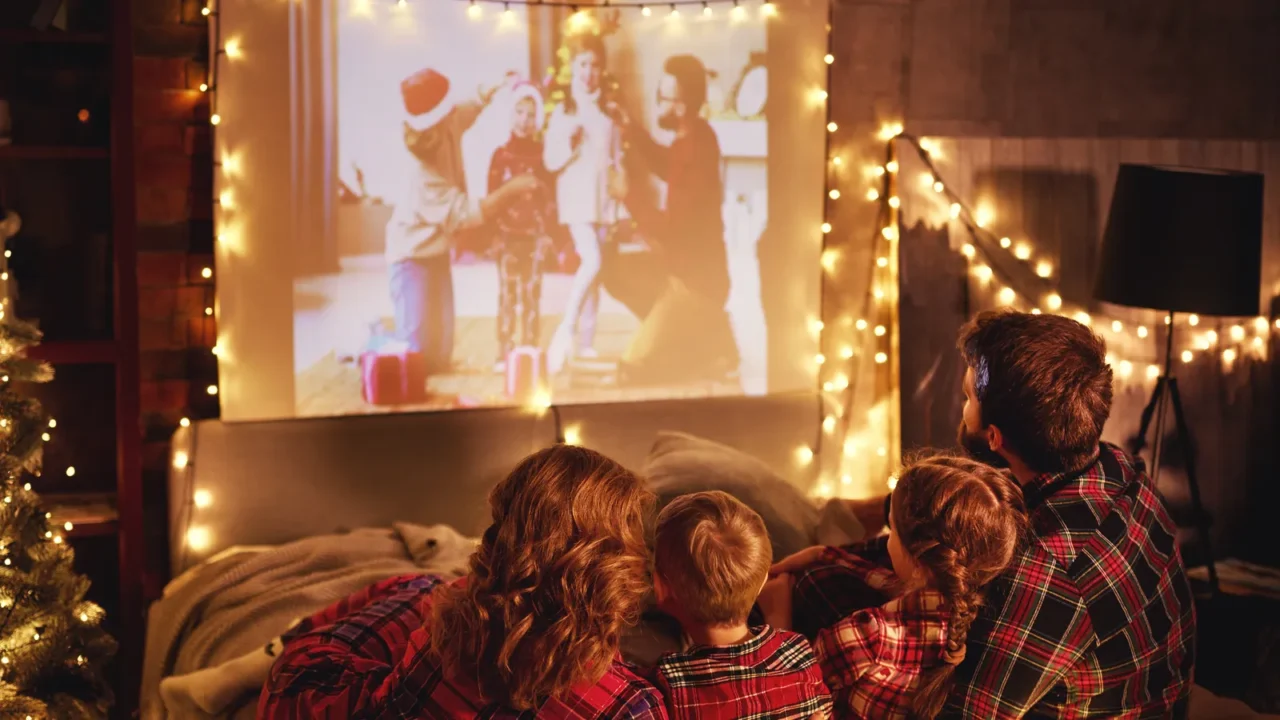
(772,675)
(1094,619)
(364,657)
(873,658)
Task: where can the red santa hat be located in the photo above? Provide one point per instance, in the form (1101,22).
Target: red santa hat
(426,98)
(524,89)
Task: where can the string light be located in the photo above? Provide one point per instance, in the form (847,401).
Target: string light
(1142,331)
(1193,320)
(1187,356)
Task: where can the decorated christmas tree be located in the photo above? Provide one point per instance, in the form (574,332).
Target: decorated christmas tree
(52,646)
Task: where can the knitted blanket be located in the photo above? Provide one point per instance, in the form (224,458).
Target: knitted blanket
(238,602)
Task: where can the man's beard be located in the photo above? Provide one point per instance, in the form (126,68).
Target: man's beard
(976,446)
(668,121)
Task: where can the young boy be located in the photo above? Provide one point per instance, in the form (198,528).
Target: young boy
(711,557)
(522,226)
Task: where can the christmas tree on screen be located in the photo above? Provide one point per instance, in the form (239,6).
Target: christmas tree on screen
(52,647)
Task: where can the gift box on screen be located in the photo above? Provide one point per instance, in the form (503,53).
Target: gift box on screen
(392,374)
(526,372)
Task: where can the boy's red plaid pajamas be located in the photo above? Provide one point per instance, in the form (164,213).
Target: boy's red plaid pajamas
(365,657)
(772,675)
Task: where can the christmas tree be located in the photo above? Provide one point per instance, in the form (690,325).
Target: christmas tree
(52,647)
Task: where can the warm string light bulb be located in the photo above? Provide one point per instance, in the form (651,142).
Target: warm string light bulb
(828,58)
(768,9)
(1022,252)
(706,10)
(738,11)
(645,11)
(473,10)
(1054,301)
(1142,331)
(1006,243)
(1193,320)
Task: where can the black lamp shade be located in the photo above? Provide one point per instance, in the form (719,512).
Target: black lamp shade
(1183,240)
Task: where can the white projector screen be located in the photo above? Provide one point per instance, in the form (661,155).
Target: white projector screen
(432,204)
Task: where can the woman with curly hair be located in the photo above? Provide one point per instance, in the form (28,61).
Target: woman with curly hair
(531,631)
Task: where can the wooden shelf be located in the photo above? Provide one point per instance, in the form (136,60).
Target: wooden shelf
(84,352)
(90,515)
(33,36)
(54,152)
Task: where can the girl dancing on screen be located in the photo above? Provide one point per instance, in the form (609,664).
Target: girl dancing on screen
(582,148)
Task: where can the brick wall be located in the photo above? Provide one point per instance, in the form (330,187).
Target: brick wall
(174,177)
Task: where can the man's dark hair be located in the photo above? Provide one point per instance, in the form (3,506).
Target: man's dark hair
(691,78)
(1044,381)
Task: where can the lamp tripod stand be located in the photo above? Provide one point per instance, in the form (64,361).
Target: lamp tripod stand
(1167,384)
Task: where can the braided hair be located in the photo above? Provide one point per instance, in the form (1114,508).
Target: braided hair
(962,521)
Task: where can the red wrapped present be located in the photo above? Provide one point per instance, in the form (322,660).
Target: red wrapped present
(393,375)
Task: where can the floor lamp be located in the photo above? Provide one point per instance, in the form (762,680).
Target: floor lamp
(1182,240)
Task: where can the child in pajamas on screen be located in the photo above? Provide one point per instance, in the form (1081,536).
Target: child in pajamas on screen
(523,225)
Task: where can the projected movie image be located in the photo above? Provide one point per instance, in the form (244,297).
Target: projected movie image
(537,204)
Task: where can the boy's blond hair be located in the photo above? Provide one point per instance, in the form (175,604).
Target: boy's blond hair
(713,554)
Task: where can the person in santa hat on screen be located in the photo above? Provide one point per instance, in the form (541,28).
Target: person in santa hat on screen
(433,210)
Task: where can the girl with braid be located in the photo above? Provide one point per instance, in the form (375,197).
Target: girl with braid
(954,525)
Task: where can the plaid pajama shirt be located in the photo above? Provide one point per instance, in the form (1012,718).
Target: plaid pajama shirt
(364,657)
(773,675)
(1094,618)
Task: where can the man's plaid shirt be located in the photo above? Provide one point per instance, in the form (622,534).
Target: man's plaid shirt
(1095,618)
(771,676)
(364,657)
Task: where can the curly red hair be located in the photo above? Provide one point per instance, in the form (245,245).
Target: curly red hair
(558,575)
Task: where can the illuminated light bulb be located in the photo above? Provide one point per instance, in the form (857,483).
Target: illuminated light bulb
(939,187)
(968,251)
(212,390)
(887,132)
(45,437)
(828,386)
(768,9)
(891,166)
(890,233)
(832,127)
(878,171)
(215,119)
(572,435)
(823,490)
(861,324)
(473,10)
(983,272)
(206,11)
(206,273)
(1257,342)
(180,459)
(1083,318)
(840,382)
(208,311)
(882,262)
(895,202)
(892,482)
(27,487)
(1022,252)
(820,95)
(1007,296)
(846,352)
(1142,331)
(850,448)
(1237,333)
(1229,355)
(48,516)
(198,538)
(873,194)
(48,533)
(1153,372)
(1261,324)
(879,331)
(829,260)
(1054,301)
(834,194)
(226,199)
(882,451)
(84,617)
(71,471)
(738,11)
(1116,326)
(804,454)
(232,48)
(1006,243)
(673,14)
(829,423)
(819,358)
(878,293)
(1193,320)
(881,358)
(955,210)
(401,3)
(68,526)
(1109,359)
(8,253)
(541,401)
(826,228)
(816,326)
(53,423)
(706,10)
(645,11)
(927,179)
(507,12)
(928,146)
(837,161)
(1211,337)
(1186,356)
(1044,269)
(1278,324)
(1035,311)
(828,58)
(846,479)
(983,217)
